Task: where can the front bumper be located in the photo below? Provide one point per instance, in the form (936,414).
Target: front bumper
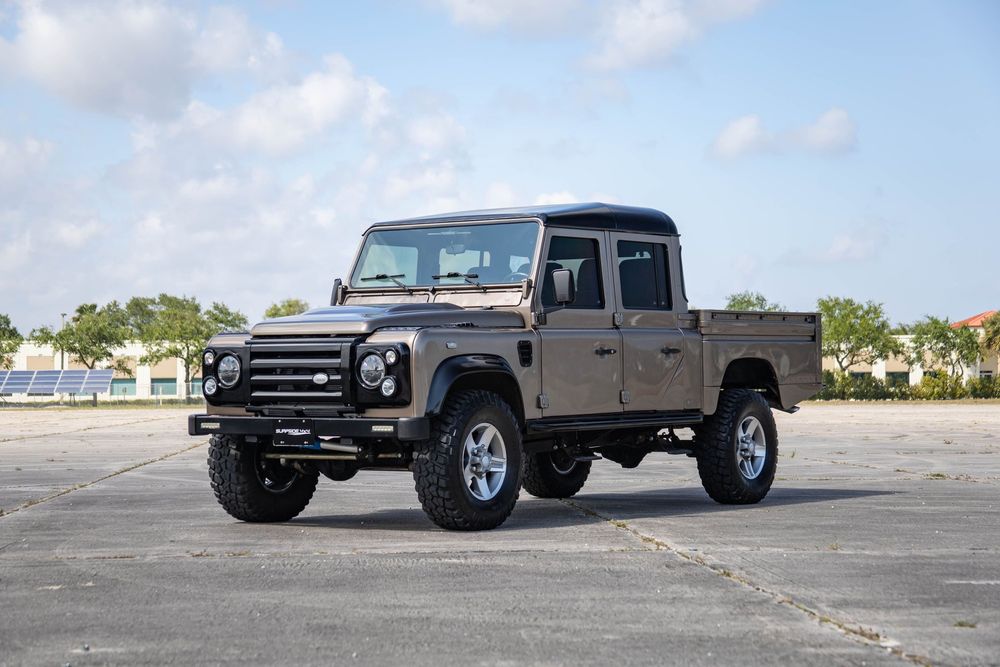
(405,428)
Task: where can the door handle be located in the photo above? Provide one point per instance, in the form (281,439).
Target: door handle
(601,351)
(670,350)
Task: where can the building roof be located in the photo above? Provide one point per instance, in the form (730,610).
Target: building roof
(975,320)
(588,215)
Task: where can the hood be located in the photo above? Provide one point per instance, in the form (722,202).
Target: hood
(366,319)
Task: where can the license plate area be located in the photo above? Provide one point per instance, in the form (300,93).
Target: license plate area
(294,432)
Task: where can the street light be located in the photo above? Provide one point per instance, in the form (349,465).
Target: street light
(62,353)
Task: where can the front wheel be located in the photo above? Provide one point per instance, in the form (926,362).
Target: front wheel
(737,448)
(468,474)
(252,488)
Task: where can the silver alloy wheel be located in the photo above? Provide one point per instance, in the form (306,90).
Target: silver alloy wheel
(484,461)
(751,447)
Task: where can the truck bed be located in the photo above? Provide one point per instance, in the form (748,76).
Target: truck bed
(788,342)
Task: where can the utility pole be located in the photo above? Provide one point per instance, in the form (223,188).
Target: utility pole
(62,353)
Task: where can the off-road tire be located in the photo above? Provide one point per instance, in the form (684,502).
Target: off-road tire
(543,479)
(716,449)
(231,467)
(437,467)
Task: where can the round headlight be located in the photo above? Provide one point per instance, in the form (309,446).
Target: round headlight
(210,386)
(391,357)
(229,370)
(371,370)
(209,358)
(388,387)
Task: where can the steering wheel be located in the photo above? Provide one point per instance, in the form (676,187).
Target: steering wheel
(516,276)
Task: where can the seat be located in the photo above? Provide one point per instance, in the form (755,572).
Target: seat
(638,282)
(588,285)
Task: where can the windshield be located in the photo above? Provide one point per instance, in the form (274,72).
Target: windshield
(447,255)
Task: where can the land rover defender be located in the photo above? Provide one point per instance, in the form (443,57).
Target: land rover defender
(489,350)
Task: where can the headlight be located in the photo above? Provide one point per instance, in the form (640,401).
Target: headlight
(228,370)
(388,387)
(209,358)
(371,370)
(210,386)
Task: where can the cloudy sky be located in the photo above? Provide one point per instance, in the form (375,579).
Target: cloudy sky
(236,151)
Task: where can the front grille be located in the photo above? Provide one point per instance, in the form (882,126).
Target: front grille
(282,371)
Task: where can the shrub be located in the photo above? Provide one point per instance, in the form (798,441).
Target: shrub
(940,387)
(983,388)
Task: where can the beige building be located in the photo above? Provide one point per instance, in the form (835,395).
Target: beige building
(165,379)
(897,370)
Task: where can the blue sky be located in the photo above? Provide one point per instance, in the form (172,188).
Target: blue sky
(236,152)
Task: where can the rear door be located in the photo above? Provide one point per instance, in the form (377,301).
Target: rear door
(581,348)
(655,350)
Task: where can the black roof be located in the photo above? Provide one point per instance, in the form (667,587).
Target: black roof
(588,215)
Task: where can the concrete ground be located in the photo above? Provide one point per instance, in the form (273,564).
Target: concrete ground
(879,544)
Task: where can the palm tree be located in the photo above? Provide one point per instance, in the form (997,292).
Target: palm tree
(991,335)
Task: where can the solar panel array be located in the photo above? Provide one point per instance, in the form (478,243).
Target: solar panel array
(48,383)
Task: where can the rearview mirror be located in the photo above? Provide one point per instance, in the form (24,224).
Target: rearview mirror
(564,286)
(338,290)
(455,249)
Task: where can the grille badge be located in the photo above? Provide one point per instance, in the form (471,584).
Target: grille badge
(321,378)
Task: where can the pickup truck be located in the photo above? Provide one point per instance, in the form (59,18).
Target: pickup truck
(488,350)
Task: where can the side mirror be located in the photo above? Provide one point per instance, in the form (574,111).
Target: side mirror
(564,286)
(337,293)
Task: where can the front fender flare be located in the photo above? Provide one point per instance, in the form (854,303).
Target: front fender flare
(493,370)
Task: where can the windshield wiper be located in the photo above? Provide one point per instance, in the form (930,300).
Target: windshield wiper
(385,276)
(469,278)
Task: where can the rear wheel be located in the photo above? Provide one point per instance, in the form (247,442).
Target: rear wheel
(252,488)
(737,448)
(468,474)
(554,474)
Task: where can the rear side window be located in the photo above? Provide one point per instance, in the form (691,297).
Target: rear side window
(581,257)
(643,275)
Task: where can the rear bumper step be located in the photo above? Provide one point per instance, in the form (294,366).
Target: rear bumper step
(406,428)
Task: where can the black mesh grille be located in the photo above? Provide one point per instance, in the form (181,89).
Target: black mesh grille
(284,371)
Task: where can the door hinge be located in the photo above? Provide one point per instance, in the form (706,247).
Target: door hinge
(543,401)
(618,319)
(626,397)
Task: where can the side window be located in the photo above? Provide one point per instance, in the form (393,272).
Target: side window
(643,275)
(581,257)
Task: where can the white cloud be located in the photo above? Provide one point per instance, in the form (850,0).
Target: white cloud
(742,136)
(523,15)
(74,235)
(639,33)
(560,197)
(833,132)
(850,248)
(130,57)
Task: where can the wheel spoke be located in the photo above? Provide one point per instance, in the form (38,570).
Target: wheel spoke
(482,487)
(486,437)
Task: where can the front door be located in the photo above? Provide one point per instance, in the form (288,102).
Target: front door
(581,348)
(654,349)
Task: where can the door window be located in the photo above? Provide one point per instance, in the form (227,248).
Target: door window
(581,257)
(643,276)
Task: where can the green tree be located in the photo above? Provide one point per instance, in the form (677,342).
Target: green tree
(286,308)
(91,336)
(749,300)
(176,327)
(855,332)
(936,340)
(10,341)
(990,343)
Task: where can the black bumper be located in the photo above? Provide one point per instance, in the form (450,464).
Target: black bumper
(406,428)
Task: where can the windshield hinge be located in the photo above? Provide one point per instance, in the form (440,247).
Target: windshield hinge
(618,319)
(626,397)
(543,401)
